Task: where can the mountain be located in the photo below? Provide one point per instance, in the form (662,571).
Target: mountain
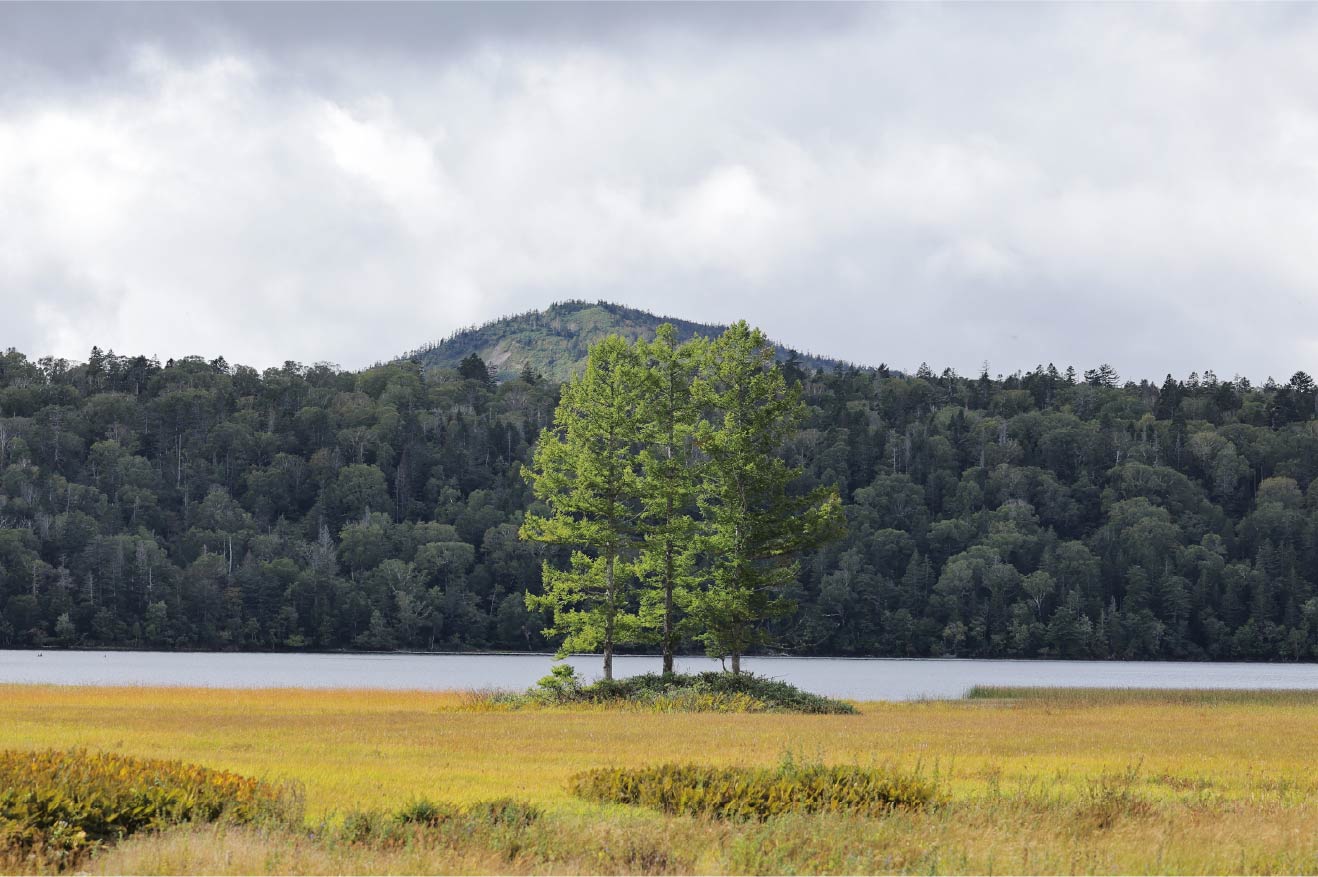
(554,341)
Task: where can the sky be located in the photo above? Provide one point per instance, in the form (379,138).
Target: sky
(950,184)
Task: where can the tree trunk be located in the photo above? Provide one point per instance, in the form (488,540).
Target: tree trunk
(668,631)
(668,559)
(736,663)
(608,623)
(668,607)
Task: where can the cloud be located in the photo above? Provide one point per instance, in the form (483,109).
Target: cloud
(954,184)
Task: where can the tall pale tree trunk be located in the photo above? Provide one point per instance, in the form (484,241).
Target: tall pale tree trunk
(668,614)
(608,621)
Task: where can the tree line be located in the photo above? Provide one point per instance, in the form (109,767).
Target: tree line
(1051,512)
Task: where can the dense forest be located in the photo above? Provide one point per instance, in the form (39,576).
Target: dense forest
(194,504)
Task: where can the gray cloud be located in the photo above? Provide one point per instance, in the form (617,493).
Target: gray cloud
(1017,184)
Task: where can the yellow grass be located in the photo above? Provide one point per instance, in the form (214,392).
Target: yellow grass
(1073,782)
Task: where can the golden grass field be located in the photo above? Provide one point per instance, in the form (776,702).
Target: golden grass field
(1100,782)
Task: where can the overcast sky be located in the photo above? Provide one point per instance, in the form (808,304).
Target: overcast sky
(906,183)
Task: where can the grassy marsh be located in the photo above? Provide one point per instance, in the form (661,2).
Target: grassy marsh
(1072,781)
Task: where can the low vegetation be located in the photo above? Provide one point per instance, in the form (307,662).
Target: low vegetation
(358,826)
(418,782)
(56,806)
(1114,696)
(675,693)
(759,793)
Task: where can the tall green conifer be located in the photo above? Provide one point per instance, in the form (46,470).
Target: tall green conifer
(752,527)
(667,485)
(585,469)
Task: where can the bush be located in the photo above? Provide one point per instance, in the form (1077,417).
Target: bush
(364,826)
(508,812)
(422,818)
(423,811)
(699,692)
(498,812)
(1112,797)
(561,683)
(56,805)
(758,793)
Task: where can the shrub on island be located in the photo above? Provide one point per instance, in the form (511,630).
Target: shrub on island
(697,692)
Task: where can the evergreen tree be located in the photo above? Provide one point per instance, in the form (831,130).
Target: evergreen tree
(752,526)
(473,368)
(667,485)
(585,470)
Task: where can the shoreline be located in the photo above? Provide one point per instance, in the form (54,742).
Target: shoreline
(341,653)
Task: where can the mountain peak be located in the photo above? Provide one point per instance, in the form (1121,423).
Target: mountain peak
(555,341)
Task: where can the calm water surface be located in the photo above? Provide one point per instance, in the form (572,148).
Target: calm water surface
(861,679)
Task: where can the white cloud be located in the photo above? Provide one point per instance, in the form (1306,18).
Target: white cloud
(951,184)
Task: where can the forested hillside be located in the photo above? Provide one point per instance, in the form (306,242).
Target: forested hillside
(554,342)
(198,505)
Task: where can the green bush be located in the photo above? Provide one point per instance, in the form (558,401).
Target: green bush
(423,811)
(56,805)
(562,682)
(423,818)
(507,812)
(759,793)
(363,826)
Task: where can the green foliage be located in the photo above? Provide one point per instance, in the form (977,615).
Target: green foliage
(740,793)
(473,368)
(585,470)
(57,805)
(1112,697)
(648,435)
(667,486)
(193,504)
(676,692)
(561,683)
(752,528)
(421,811)
(426,815)
(363,826)
(507,812)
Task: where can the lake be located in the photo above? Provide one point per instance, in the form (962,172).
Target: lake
(857,678)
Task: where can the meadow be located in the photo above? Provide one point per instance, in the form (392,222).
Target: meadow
(1033,781)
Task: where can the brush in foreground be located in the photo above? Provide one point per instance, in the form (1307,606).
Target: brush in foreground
(425,815)
(759,793)
(57,805)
